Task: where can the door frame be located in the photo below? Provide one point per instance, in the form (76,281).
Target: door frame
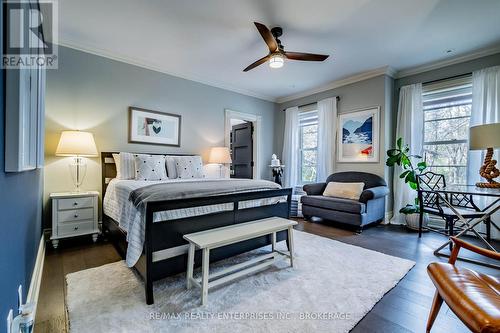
(257,125)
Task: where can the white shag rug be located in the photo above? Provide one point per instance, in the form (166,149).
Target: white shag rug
(331,288)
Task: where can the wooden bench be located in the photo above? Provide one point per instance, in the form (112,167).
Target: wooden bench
(214,238)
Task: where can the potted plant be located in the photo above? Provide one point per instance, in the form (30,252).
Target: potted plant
(400,156)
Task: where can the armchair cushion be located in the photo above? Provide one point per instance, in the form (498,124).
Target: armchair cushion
(314,189)
(338,204)
(374,193)
(344,190)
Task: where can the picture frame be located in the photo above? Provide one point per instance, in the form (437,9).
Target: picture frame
(358,136)
(154,127)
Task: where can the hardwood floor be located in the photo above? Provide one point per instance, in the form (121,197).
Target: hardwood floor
(403,309)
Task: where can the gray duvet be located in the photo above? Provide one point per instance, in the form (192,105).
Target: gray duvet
(197,189)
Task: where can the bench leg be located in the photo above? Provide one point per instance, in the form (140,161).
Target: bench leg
(290,244)
(204,278)
(273,242)
(190,266)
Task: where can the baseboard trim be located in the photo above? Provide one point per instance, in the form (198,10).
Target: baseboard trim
(36,276)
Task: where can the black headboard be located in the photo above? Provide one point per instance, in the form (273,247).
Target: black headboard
(109,167)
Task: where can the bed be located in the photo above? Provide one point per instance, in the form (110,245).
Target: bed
(148,230)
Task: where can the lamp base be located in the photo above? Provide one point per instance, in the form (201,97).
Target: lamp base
(488,185)
(489,171)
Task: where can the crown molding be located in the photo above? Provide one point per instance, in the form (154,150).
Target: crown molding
(443,63)
(142,64)
(386,70)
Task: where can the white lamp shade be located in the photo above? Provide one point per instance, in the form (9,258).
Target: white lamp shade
(220,155)
(76,143)
(484,136)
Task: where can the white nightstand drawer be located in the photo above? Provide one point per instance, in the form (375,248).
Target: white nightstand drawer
(73,203)
(75,215)
(83,227)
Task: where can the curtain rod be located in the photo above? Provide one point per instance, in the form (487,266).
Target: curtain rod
(301,106)
(448,78)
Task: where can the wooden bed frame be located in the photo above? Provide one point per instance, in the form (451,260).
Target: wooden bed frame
(165,250)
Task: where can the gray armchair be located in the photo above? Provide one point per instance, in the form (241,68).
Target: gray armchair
(368,209)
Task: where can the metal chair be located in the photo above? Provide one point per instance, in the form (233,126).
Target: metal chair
(432,203)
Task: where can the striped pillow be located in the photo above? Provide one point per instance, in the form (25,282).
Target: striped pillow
(125,165)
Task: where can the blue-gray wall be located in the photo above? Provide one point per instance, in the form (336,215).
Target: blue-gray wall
(20,221)
(93,93)
(376,91)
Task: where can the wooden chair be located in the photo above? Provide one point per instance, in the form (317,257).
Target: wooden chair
(472,296)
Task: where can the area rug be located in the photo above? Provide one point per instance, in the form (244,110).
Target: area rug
(332,286)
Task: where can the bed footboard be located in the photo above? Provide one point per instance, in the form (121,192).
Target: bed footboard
(165,249)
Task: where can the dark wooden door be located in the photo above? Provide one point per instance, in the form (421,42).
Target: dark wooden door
(242,151)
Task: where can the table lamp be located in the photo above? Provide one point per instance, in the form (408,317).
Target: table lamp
(486,137)
(221,156)
(78,145)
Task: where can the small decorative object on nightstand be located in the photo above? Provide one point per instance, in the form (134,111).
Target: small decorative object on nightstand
(74,214)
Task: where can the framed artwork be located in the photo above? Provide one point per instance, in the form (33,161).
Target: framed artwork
(358,136)
(153,127)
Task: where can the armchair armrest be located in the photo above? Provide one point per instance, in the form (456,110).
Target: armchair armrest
(314,189)
(458,243)
(373,193)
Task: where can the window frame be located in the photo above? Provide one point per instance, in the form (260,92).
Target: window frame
(309,118)
(435,97)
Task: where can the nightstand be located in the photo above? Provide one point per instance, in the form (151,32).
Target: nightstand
(74,214)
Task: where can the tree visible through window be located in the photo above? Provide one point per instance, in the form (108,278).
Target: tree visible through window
(447,111)
(308,146)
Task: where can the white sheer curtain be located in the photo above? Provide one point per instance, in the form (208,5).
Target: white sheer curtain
(327,125)
(291,147)
(485,110)
(410,127)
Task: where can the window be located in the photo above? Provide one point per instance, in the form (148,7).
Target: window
(447,110)
(308,145)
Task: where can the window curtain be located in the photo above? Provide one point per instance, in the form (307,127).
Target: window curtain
(485,110)
(327,124)
(290,147)
(410,127)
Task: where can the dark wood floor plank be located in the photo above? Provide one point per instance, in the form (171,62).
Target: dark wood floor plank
(403,309)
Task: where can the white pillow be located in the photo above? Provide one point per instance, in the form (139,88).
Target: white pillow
(125,165)
(189,167)
(150,167)
(344,190)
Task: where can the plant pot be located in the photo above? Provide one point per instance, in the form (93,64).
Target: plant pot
(412,220)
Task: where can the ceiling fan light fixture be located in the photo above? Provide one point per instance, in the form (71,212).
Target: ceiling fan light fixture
(277,60)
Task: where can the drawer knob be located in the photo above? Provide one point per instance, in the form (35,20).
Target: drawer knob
(76,215)
(75,203)
(76,228)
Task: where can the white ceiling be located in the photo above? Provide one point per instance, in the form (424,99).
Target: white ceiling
(212,41)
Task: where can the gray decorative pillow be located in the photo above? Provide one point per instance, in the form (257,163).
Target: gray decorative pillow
(125,165)
(171,166)
(189,167)
(150,167)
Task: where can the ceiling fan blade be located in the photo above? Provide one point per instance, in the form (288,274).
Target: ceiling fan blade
(268,36)
(305,56)
(257,63)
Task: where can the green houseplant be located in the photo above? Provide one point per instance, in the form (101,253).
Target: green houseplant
(411,165)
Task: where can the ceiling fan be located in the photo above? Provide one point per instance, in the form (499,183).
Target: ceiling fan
(277,53)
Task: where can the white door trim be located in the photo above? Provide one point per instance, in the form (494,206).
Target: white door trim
(257,126)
